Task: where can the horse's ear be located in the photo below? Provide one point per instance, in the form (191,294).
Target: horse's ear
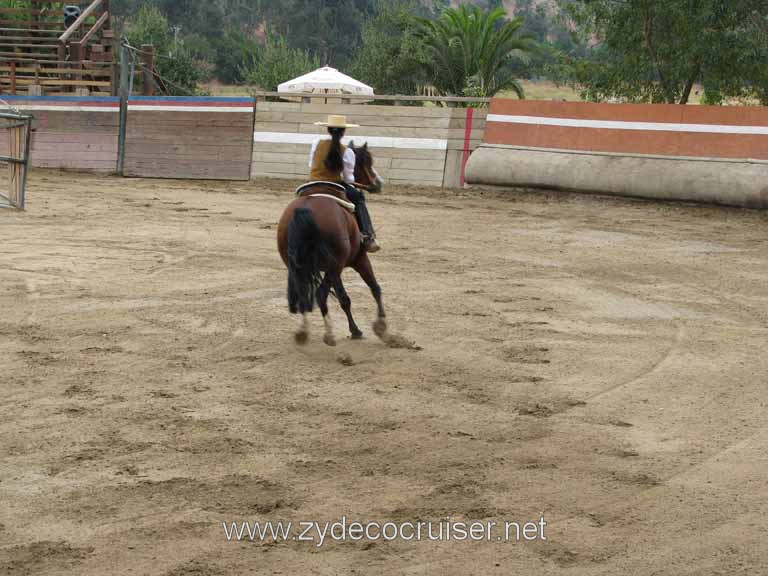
(365,146)
(352,144)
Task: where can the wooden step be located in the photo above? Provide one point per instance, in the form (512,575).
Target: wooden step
(25,39)
(13,45)
(29,55)
(31,81)
(49,25)
(42,71)
(30,30)
(33,11)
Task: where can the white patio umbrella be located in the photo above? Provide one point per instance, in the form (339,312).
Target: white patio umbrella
(326,81)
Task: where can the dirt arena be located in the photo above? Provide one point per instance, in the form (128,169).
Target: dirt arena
(598,361)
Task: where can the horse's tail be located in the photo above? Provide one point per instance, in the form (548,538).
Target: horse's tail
(308,252)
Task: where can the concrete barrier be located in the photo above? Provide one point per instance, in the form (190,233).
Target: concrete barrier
(701,154)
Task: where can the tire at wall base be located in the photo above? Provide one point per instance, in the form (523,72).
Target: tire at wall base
(726,182)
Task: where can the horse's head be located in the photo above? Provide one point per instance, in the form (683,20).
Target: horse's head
(365,176)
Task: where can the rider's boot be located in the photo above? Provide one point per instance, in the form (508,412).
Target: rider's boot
(363,220)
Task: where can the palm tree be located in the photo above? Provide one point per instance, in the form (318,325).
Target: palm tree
(469,50)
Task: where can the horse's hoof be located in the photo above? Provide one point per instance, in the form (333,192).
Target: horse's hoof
(329,339)
(301,338)
(380,327)
(357,336)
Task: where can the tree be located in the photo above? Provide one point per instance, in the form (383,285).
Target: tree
(276,63)
(469,51)
(657,50)
(391,58)
(177,70)
(235,52)
(330,30)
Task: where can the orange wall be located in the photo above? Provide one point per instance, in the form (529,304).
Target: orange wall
(616,139)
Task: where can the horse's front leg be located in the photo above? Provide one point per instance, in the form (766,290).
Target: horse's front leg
(346,305)
(364,267)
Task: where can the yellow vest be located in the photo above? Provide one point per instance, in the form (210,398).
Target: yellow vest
(319,172)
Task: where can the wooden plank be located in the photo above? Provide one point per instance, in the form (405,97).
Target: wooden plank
(365,109)
(411,122)
(416,164)
(29,55)
(26,81)
(99,72)
(32,30)
(280,157)
(288,148)
(354,97)
(14,45)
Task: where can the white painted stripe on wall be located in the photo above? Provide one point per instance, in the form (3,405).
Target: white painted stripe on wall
(619,125)
(373,141)
(148,108)
(66,108)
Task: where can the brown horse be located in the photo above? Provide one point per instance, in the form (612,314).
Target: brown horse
(317,239)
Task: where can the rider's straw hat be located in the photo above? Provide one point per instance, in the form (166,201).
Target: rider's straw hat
(335,121)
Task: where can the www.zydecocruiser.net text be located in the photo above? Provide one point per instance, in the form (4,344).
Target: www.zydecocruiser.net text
(344,530)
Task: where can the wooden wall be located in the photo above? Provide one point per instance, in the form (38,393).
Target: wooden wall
(221,138)
(195,138)
(71,133)
(410,144)
(737,132)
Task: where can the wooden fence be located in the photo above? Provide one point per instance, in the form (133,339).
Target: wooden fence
(410,144)
(231,139)
(196,138)
(72,133)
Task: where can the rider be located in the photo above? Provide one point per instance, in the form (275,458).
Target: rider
(331,161)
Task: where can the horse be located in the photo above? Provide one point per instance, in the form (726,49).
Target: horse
(317,239)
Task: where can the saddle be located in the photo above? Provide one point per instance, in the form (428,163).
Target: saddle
(331,190)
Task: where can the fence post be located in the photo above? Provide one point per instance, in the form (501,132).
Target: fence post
(123,108)
(148,65)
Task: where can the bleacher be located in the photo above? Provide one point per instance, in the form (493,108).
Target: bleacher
(40,54)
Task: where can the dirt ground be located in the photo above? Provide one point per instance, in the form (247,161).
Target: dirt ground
(598,361)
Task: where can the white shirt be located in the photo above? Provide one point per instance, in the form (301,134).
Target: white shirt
(349,161)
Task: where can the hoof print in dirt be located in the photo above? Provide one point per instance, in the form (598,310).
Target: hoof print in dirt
(400,342)
(537,410)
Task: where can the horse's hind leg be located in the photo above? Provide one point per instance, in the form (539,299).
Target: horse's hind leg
(346,305)
(364,267)
(322,300)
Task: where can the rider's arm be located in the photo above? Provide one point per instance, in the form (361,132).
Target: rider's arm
(349,166)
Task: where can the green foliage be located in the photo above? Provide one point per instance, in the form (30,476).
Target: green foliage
(657,50)
(469,51)
(179,71)
(331,31)
(235,52)
(391,58)
(276,63)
